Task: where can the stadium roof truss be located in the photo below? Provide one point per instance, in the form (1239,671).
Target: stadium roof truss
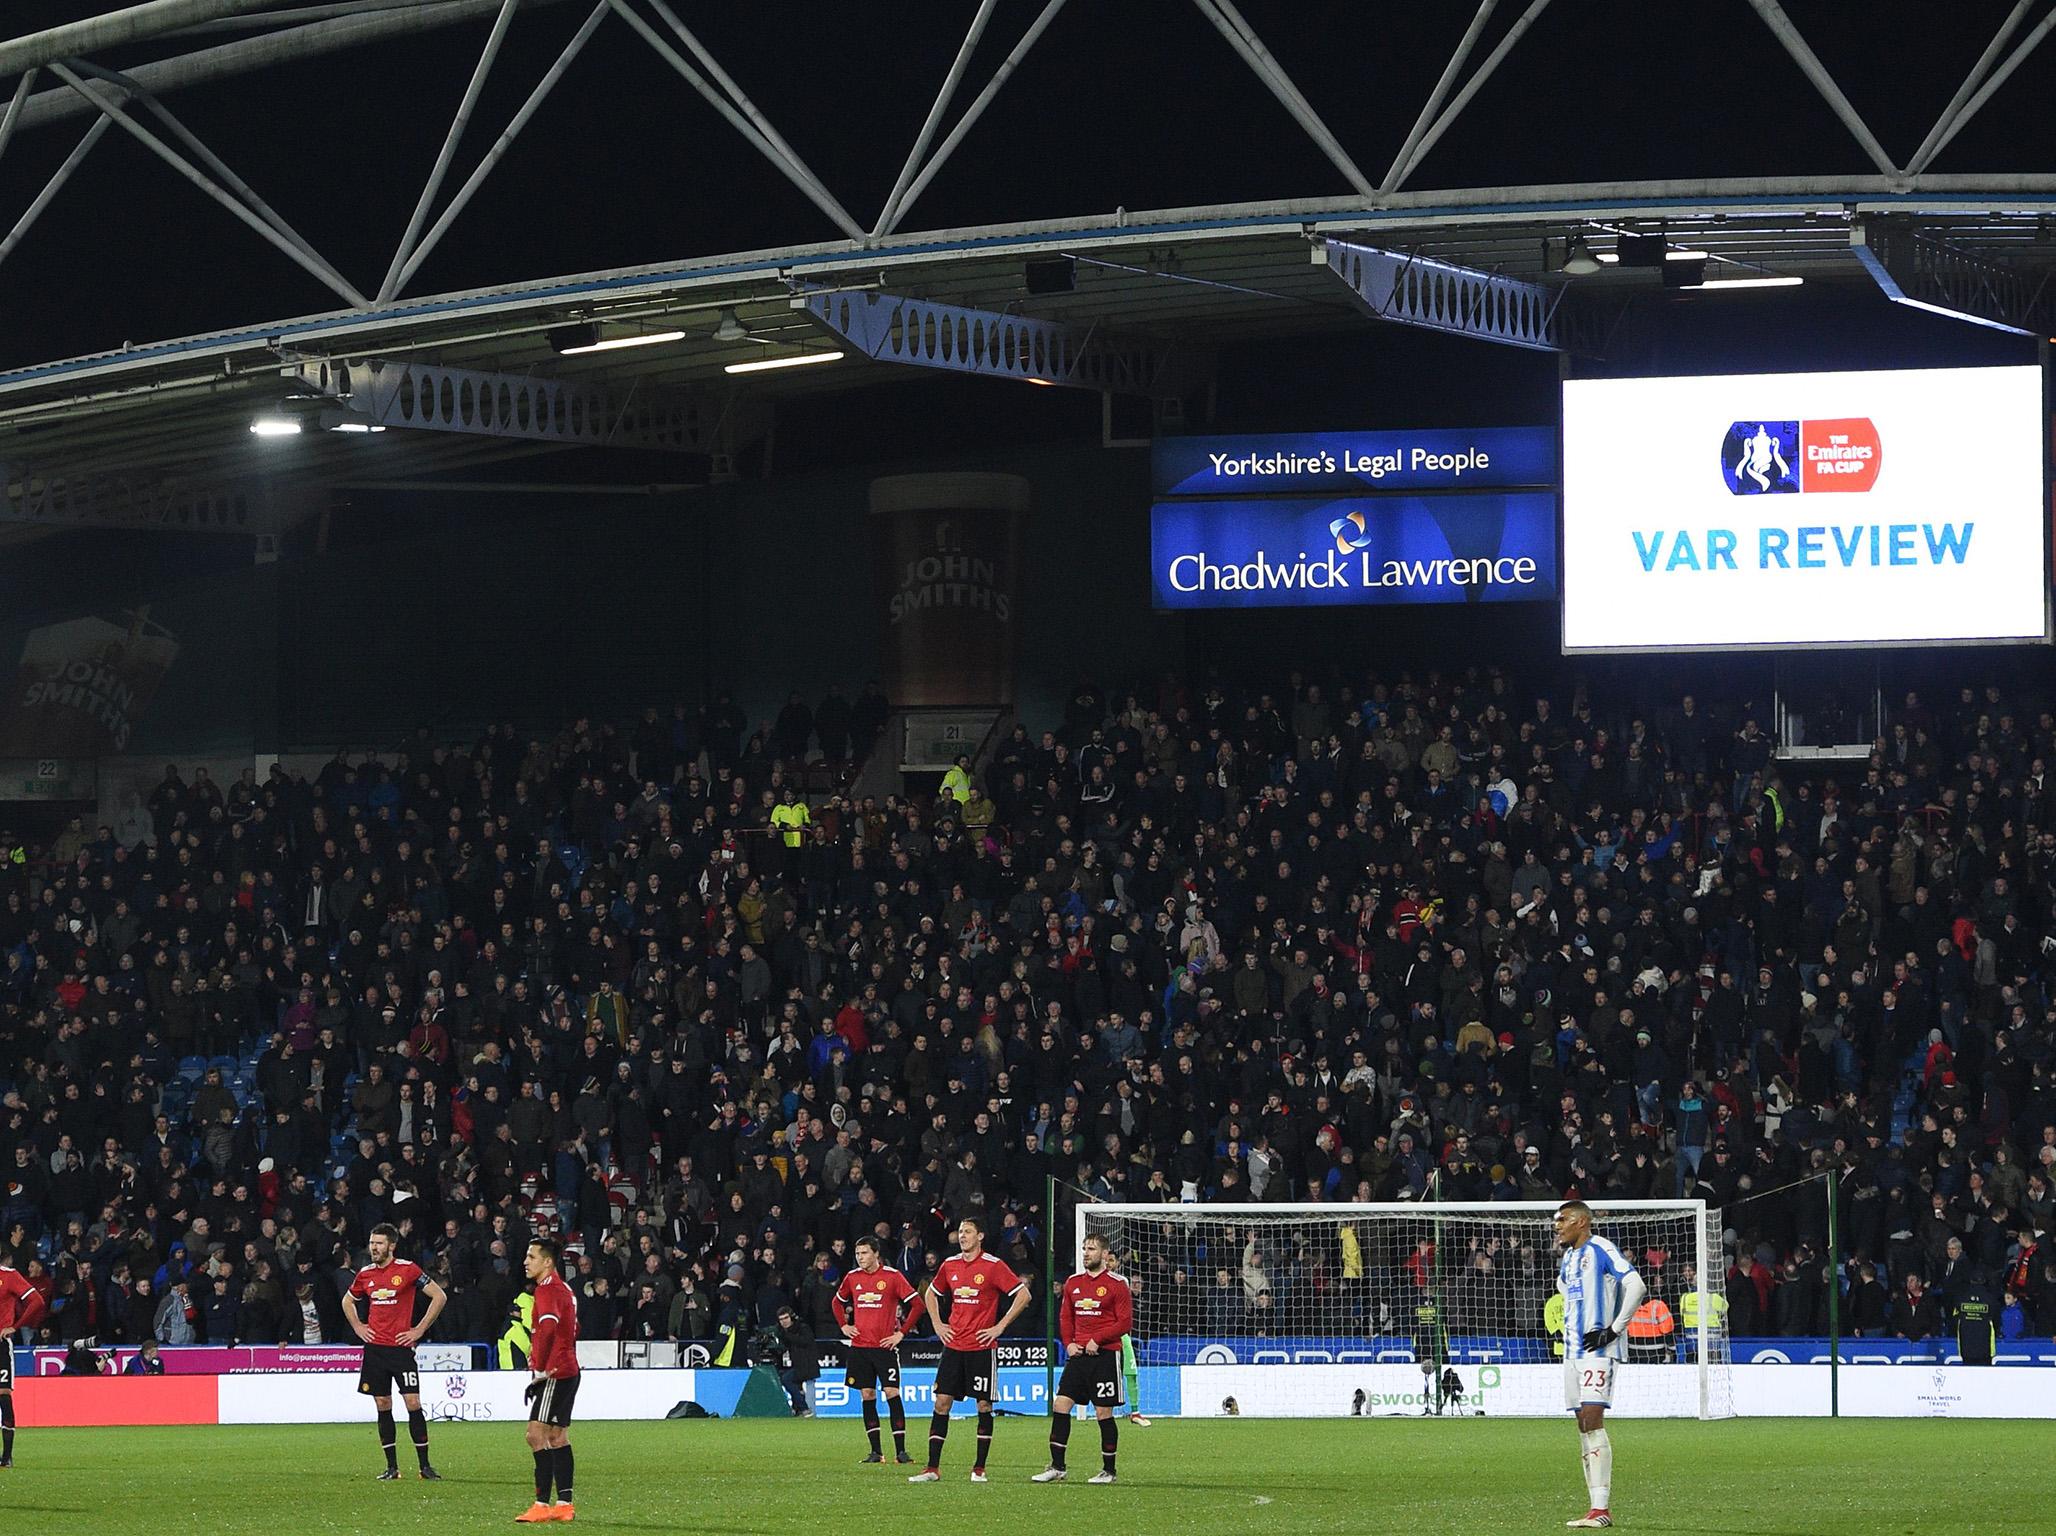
(1147,295)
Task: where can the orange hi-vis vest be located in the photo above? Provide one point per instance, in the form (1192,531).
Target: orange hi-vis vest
(1652,1321)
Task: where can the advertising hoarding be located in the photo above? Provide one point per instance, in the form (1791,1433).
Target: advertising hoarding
(1492,548)
(1341,463)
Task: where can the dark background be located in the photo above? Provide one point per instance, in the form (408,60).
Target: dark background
(447,611)
(1135,103)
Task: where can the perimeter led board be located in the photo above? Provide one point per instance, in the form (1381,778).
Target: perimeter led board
(1804,510)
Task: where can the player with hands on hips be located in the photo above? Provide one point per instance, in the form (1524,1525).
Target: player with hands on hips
(1601,1290)
(1095,1314)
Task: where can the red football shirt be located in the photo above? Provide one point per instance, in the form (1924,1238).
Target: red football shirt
(553,1348)
(874,1303)
(21,1304)
(974,1287)
(1096,1309)
(389,1289)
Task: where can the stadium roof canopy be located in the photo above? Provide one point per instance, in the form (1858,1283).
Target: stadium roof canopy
(1132,302)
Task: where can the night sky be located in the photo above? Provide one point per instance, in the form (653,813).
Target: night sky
(1124,102)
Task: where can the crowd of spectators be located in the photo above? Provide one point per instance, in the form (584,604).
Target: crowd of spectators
(1341,939)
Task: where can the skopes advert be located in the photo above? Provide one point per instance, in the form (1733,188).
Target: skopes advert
(1823,509)
(1313,463)
(1487,548)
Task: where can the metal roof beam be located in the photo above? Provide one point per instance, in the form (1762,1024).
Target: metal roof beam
(114,29)
(922,333)
(1437,96)
(933,121)
(730,102)
(1243,39)
(426,397)
(278,233)
(1441,296)
(12,120)
(290,45)
(1922,272)
(1791,203)
(227,178)
(768,138)
(298,15)
(1426,140)
(51,187)
(458,123)
(493,156)
(1957,117)
(1971,82)
(972,113)
(121,501)
(1810,65)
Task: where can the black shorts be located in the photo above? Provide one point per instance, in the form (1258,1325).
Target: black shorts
(867,1368)
(965,1373)
(1094,1379)
(388,1368)
(7,1367)
(552,1405)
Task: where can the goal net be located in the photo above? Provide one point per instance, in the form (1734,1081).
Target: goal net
(1332,1310)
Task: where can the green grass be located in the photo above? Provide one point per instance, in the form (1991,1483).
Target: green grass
(757,1478)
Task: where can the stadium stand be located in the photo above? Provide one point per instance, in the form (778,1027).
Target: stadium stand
(1330,941)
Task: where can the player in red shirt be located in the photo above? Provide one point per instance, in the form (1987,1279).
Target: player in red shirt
(974,1281)
(21,1309)
(387,1285)
(1097,1310)
(553,1358)
(875,1306)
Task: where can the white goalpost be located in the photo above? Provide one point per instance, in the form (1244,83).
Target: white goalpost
(1324,1310)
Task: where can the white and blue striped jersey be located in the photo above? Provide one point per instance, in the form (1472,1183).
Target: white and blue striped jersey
(1590,1277)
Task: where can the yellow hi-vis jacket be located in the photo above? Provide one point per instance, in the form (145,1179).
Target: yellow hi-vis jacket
(514,1342)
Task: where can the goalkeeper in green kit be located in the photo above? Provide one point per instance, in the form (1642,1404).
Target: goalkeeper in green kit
(1439,1383)
(1130,1377)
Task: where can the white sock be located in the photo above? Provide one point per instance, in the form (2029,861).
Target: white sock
(1596,1451)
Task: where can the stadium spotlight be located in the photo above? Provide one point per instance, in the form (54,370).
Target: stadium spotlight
(1578,260)
(289,416)
(791,360)
(1612,259)
(577,340)
(1746,275)
(1747,282)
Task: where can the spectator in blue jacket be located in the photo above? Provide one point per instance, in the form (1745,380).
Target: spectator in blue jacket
(1694,1131)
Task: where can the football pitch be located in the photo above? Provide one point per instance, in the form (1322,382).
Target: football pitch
(771,1478)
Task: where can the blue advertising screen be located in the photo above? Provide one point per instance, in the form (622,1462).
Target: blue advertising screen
(1302,463)
(1491,548)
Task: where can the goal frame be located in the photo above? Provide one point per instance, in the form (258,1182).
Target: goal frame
(1418,1209)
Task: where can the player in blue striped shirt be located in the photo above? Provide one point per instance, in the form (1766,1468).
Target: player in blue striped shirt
(1601,1291)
